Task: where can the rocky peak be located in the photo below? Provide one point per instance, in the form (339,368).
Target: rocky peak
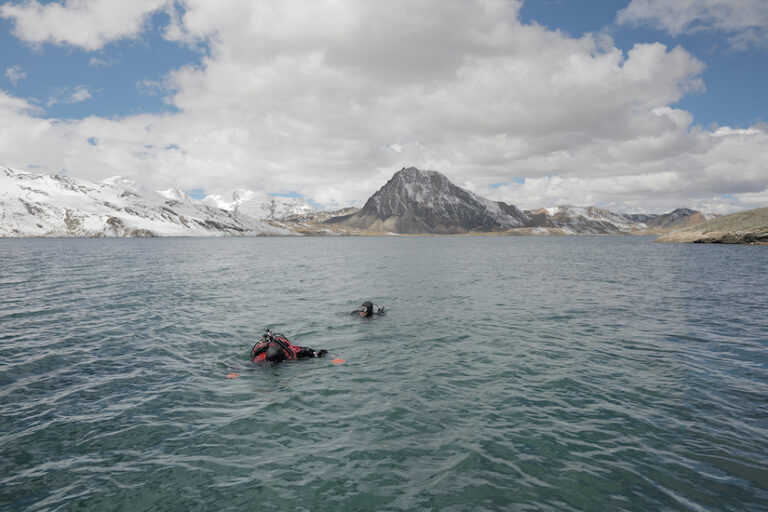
(681,212)
(410,188)
(416,201)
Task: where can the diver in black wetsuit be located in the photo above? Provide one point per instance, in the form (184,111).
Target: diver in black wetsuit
(274,347)
(367,309)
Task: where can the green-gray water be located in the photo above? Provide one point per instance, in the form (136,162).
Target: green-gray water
(579,373)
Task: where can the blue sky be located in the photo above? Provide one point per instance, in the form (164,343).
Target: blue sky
(122,78)
(634,105)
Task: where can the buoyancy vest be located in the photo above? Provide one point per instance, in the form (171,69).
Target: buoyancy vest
(277,344)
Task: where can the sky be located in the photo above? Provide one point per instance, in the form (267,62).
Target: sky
(631,105)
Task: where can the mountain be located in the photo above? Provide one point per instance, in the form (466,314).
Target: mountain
(748,227)
(676,219)
(584,220)
(52,205)
(415,201)
(261,206)
(316,223)
(593,220)
(412,202)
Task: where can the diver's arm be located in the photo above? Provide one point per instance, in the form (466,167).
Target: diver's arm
(310,352)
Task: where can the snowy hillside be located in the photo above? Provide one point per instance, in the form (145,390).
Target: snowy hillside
(260,206)
(585,220)
(593,220)
(52,205)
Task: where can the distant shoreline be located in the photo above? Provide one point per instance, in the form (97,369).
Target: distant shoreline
(749,228)
(755,237)
(346,235)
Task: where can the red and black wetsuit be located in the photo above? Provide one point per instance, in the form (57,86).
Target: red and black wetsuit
(275,347)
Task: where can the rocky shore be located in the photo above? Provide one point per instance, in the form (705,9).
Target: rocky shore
(717,237)
(749,227)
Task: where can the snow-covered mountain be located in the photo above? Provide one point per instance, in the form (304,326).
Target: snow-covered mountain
(52,205)
(415,201)
(583,220)
(261,206)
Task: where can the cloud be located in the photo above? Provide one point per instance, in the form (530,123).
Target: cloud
(15,108)
(329,98)
(102,62)
(81,93)
(15,74)
(149,87)
(69,95)
(656,173)
(89,24)
(745,21)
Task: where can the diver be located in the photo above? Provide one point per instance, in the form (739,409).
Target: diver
(367,309)
(274,347)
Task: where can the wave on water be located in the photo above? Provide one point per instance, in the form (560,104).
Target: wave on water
(580,373)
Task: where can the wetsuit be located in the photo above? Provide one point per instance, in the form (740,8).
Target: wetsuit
(367,310)
(274,347)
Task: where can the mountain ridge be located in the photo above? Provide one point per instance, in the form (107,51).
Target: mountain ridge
(426,202)
(411,202)
(51,205)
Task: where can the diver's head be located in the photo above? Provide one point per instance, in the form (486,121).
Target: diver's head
(275,353)
(366,309)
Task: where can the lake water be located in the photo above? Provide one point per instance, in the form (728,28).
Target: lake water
(509,373)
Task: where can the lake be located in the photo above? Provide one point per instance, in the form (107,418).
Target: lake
(508,373)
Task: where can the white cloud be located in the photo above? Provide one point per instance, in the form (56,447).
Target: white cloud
(745,21)
(329,98)
(149,87)
(81,93)
(102,62)
(89,24)
(15,74)
(15,108)
(69,95)
(656,173)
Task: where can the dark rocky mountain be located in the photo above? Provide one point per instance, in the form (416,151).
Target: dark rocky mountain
(415,201)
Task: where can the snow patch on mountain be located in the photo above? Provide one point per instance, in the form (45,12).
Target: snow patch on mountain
(589,219)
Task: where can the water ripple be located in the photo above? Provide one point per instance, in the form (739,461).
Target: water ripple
(509,374)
